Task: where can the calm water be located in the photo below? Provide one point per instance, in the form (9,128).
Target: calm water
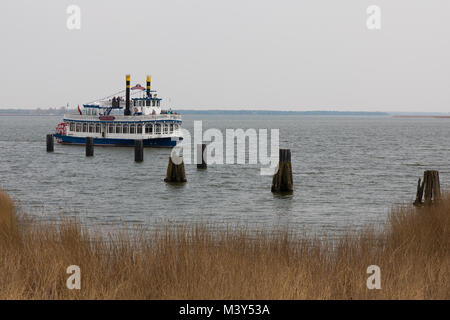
(347,171)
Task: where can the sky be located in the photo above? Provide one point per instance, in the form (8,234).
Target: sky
(233,54)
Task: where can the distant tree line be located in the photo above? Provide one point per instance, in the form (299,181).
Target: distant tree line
(35,112)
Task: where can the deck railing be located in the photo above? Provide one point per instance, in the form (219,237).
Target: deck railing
(74,116)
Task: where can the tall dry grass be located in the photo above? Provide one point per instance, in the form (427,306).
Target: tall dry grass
(195,262)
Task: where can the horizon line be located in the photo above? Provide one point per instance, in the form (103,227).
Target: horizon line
(234,109)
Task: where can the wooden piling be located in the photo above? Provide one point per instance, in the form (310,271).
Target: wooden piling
(50,143)
(175,172)
(138,150)
(201,155)
(419,193)
(89,147)
(436,185)
(282,180)
(429,189)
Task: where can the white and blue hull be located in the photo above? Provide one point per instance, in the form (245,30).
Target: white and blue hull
(153,130)
(167,142)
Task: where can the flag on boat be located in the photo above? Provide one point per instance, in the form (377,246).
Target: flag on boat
(138,87)
(79,110)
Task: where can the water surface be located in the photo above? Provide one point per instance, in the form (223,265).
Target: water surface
(348,171)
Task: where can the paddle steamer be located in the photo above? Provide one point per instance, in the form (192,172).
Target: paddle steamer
(119,120)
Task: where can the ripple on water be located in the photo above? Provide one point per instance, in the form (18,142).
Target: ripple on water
(347,171)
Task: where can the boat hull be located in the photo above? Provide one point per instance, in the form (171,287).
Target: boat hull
(155,143)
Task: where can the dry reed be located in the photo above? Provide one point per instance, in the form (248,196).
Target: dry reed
(197,262)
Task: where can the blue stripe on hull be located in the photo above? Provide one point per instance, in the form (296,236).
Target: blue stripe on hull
(159,142)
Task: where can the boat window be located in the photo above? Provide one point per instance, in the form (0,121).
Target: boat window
(153,103)
(84,127)
(111,128)
(139,129)
(91,127)
(171,128)
(72,126)
(166,128)
(97,128)
(147,103)
(157,128)
(132,129)
(149,128)
(118,128)
(157,103)
(125,128)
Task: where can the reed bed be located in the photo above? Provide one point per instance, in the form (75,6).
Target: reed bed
(197,262)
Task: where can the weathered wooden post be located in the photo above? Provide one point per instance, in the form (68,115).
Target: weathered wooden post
(138,150)
(430,188)
(201,155)
(175,172)
(282,180)
(89,147)
(419,193)
(50,143)
(436,185)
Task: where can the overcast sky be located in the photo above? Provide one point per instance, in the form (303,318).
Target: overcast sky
(260,54)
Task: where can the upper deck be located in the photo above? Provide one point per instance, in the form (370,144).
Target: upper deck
(122,118)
